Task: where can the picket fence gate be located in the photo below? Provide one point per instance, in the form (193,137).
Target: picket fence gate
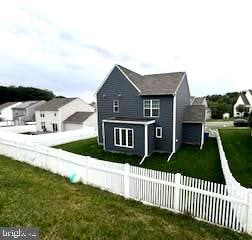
(206,201)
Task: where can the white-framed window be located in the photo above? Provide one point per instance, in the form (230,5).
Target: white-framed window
(42,115)
(151,108)
(159,132)
(43,125)
(124,137)
(116,106)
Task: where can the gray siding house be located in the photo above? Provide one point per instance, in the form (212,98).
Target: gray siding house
(140,114)
(25,112)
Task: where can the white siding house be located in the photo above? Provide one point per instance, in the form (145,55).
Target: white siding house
(6,111)
(50,116)
(244,99)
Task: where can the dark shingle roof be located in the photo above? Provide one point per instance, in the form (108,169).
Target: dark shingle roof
(55,104)
(7,104)
(194,114)
(244,99)
(26,104)
(155,84)
(198,101)
(78,117)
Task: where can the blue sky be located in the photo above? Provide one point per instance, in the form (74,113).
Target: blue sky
(70,46)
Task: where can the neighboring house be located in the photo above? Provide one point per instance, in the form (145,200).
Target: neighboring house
(226,115)
(141,114)
(81,119)
(50,116)
(6,111)
(25,112)
(244,99)
(202,101)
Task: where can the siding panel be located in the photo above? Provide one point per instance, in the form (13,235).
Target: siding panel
(192,133)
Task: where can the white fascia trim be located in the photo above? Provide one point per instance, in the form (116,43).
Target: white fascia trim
(174,124)
(104,81)
(128,79)
(202,135)
(130,122)
(180,83)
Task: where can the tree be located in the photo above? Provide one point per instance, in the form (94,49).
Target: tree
(250,122)
(20,94)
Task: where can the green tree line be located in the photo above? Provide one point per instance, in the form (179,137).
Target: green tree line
(19,94)
(220,104)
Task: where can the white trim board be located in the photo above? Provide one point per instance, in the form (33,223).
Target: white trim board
(129,122)
(116,66)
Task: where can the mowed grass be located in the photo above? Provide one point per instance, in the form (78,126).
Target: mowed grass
(33,197)
(189,160)
(237,145)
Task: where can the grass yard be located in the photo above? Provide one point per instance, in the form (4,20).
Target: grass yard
(189,160)
(237,145)
(33,197)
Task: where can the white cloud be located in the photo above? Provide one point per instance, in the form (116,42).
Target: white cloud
(70,46)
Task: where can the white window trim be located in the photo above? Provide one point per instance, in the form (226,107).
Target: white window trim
(151,108)
(120,137)
(161,132)
(118,106)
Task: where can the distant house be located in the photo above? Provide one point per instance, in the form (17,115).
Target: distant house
(81,119)
(25,112)
(6,111)
(140,114)
(244,99)
(61,114)
(202,101)
(226,115)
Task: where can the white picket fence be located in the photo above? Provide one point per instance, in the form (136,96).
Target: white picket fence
(203,200)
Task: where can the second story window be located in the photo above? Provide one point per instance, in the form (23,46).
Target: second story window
(151,108)
(42,115)
(116,106)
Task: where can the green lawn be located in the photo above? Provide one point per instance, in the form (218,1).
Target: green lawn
(237,145)
(189,160)
(33,197)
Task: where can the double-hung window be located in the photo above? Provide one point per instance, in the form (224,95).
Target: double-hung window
(124,137)
(151,108)
(116,106)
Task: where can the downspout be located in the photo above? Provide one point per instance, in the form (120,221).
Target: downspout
(145,143)
(103,135)
(173,129)
(202,136)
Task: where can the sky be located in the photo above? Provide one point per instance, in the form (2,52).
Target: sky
(69,47)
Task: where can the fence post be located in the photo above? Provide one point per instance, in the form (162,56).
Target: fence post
(17,150)
(176,192)
(87,169)
(58,162)
(126,180)
(249,220)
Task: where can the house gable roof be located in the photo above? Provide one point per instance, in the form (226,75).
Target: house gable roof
(198,101)
(194,114)
(7,104)
(78,117)
(55,104)
(244,99)
(154,84)
(26,104)
(250,90)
